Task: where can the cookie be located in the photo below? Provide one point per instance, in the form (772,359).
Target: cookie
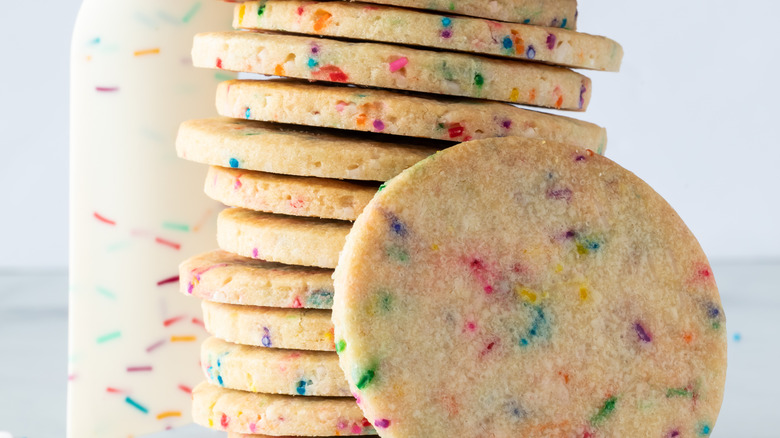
(394,67)
(290,195)
(272,370)
(416,28)
(508,287)
(224,277)
(251,413)
(296,329)
(298,150)
(285,239)
(243,435)
(398,113)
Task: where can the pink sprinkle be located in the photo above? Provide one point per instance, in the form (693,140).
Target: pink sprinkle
(103,219)
(113,390)
(72,377)
(170,321)
(107,89)
(165,242)
(471,326)
(356,429)
(174,279)
(254,252)
(253,426)
(186,389)
(340,106)
(196,321)
(379,125)
(398,64)
(383,423)
(155,346)
(190,287)
(300,12)
(136,369)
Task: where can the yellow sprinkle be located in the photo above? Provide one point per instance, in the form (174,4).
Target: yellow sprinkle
(167,414)
(435,247)
(559,268)
(583,293)
(211,422)
(183,338)
(241,12)
(514,95)
(526,294)
(146,52)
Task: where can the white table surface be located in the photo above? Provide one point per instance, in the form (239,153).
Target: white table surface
(33,354)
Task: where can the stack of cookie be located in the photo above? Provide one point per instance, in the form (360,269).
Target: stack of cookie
(299,161)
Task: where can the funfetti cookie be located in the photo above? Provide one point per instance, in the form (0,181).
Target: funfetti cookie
(417,28)
(508,287)
(398,113)
(276,415)
(297,329)
(290,195)
(285,239)
(272,370)
(223,277)
(393,67)
(298,150)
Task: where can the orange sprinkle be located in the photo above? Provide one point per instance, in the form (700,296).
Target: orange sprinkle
(321,18)
(155,51)
(279,70)
(688,337)
(589,152)
(559,103)
(565,376)
(241,12)
(514,95)
(361,119)
(183,338)
(532,96)
(167,414)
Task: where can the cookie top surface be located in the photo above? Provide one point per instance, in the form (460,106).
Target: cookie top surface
(290,195)
(417,28)
(388,112)
(507,287)
(276,415)
(393,67)
(298,150)
(223,277)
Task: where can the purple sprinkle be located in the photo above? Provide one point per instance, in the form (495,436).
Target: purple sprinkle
(583,90)
(564,194)
(379,125)
(571,234)
(383,423)
(446,33)
(315,50)
(531,52)
(266,337)
(580,158)
(506,124)
(551,39)
(640,331)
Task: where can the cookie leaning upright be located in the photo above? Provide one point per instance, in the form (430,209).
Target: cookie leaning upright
(540,288)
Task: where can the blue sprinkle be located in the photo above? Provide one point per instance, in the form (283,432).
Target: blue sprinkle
(233,163)
(531,52)
(705,430)
(219,379)
(266,337)
(248,113)
(526,21)
(313,63)
(713,311)
(446,22)
(397,226)
(301,388)
(563,24)
(507,42)
(524,342)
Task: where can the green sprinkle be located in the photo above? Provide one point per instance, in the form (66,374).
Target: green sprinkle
(341,345)
(222,76)
(191,13)
(382,187)
(260,10)
(604,412)
(678,392)
(398,254)
(479,80)
(106,293)
(108,337)
(176,227)
(452,6)
(365,379)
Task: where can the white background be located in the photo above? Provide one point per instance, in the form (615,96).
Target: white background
(693,112)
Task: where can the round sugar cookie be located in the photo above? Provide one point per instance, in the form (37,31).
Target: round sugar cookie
(289,195)
(276,415)
(298,150)
(273,370)
(295,329)
(224,277)
(285,239)
(398,113)
(411,27)
(508,287)
(393,67)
